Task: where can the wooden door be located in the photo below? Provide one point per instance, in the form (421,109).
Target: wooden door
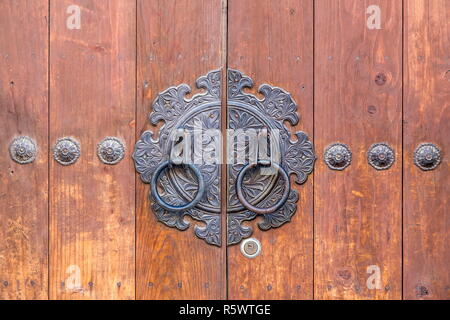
(426,106)
(272,42)
(178,42)
(353,75)
(92,96)
(358,102)
(24,188)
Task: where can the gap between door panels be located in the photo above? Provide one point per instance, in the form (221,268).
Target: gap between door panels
(224,126)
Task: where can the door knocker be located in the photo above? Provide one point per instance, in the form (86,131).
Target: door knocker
(177,160)
(263,162)
(183,186)
(248,205)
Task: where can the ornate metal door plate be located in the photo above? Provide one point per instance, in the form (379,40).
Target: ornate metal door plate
(177,188)
(245,111)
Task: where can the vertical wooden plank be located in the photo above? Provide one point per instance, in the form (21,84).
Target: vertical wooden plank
(357,210)
(24,111)
(272,42)
(178,41)
(427,119)
(92,94)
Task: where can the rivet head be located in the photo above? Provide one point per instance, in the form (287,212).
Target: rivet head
(381,156)
(111,150)
(66,151)
(372,109)
(380,79)
(422,291)
(23,150)
(427,156)
(337,156)
(251,248)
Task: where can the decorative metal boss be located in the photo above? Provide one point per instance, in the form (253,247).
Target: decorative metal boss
(427,156)
(337,156)
(111,150)
(66,151)
(23,150)
(381,156)
(182,186)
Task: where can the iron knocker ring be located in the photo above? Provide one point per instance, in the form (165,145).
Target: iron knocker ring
(169,207)
(248,205)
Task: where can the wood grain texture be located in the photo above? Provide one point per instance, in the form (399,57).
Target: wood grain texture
(92,218)
(178,41)
(272,42)
(24,111)
(427,119)
(357,212)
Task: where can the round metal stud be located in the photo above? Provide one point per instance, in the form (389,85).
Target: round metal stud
(381,156)
(111,150)
(427,156)
(251,207)
(337,156)
(66,151)
(251,248)
(23,150)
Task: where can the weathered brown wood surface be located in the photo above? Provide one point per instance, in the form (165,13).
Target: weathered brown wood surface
(272,42)
(178,41)
(24,111)
(357,212)
(92,205)
(86,231)
(427,119)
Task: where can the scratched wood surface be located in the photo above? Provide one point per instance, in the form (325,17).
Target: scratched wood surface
(178,41)
(272,42)
(427,119)
(23,111)
(102,240)
(357,212)
(92,96)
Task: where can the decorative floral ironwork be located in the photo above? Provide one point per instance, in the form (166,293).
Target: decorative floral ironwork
(66,151)
(111,150)
(337,156)
(381,156)
(23,150)
(427,156)
(245,111)
(178,187)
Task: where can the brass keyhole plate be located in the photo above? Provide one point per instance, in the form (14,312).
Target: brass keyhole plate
(251,248)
